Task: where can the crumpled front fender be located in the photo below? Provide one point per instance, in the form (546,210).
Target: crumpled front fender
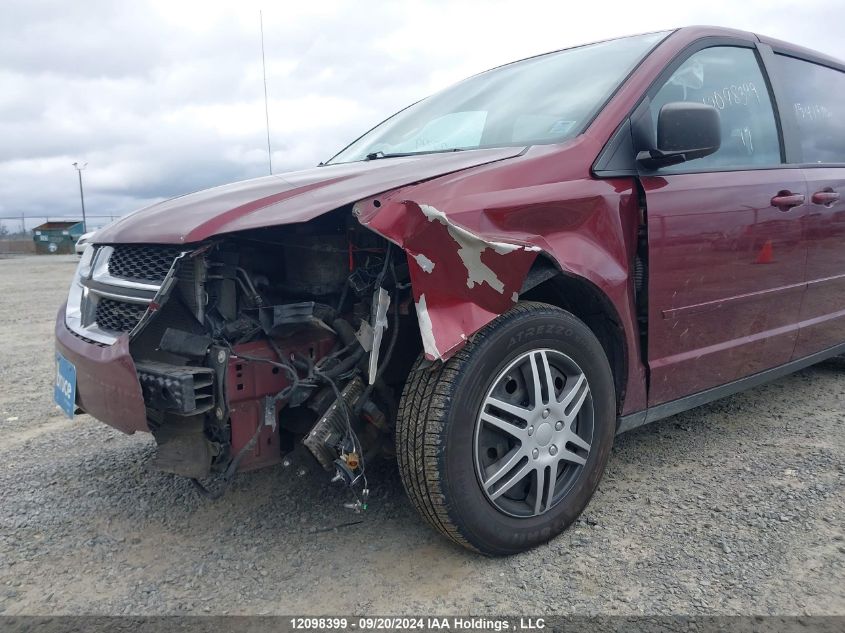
(461,278)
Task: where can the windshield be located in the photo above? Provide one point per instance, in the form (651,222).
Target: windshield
(544,99)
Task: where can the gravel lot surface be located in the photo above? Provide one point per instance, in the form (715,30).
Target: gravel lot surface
(734,508)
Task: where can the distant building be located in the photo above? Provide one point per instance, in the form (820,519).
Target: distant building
(56,237)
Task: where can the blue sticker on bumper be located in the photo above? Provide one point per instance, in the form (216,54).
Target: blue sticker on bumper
(64,393)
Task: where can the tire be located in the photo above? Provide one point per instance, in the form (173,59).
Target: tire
(450,456)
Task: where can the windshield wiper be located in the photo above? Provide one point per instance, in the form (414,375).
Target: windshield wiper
(381,154)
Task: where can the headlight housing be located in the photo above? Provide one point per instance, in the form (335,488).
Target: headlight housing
(83,269)
(73,312)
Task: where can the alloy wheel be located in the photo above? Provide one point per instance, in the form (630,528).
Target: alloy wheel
(533,433)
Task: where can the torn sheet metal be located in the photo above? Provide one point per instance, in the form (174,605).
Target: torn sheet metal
(426,329)
(499,218)
(381,302)
(471,247)
(365,335)
(461,279)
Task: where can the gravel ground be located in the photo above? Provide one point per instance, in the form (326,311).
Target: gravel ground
(734,508)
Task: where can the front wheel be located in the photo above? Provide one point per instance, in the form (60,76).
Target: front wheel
(501,447)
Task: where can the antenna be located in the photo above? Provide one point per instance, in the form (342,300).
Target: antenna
(266,109)
(79,169)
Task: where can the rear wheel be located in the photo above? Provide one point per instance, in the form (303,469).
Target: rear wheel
(501,447)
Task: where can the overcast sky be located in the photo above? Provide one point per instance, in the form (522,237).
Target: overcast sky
(166,97)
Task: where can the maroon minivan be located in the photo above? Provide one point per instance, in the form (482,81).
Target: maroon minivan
(489,285)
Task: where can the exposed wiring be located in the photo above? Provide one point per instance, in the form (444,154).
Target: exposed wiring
(387,263)
(284,394)
(343,294)
(352,437)
(229,474)
(341,364)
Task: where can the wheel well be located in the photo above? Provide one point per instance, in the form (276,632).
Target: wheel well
(588,303)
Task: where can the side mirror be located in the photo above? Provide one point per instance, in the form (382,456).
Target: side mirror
(685,130)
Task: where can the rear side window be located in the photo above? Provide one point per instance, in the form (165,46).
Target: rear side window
(728,78)
(816,96)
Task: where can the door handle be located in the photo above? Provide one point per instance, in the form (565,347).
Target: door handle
(785,200)
(826,198)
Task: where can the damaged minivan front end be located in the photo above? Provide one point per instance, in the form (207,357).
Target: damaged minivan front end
(235,349)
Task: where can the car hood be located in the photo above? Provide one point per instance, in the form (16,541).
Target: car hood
(285,198)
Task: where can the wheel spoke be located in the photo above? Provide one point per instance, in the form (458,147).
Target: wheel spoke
(510,482)
(568,456)
(507,464)
(507,407)
(544,492)
(573,399)
(580,442)
(503,425)
(542,377)
(548,379)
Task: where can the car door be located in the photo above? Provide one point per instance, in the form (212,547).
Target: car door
(814,103)
(726,256)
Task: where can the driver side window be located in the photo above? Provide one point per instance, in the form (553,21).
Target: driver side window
(729,79)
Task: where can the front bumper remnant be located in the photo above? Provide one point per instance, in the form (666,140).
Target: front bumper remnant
(107,385)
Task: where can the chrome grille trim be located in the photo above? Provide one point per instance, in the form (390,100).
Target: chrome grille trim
(116,296)
(86,295)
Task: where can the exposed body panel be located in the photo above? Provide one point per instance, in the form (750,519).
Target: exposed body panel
(249,382)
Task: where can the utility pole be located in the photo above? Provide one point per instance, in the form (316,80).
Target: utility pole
(266,109)
(81,195)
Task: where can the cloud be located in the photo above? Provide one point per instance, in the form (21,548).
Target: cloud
(162,98)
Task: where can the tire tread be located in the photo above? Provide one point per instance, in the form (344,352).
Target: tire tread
(421,425)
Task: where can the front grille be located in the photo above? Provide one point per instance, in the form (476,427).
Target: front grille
(118,316)
(144,263)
